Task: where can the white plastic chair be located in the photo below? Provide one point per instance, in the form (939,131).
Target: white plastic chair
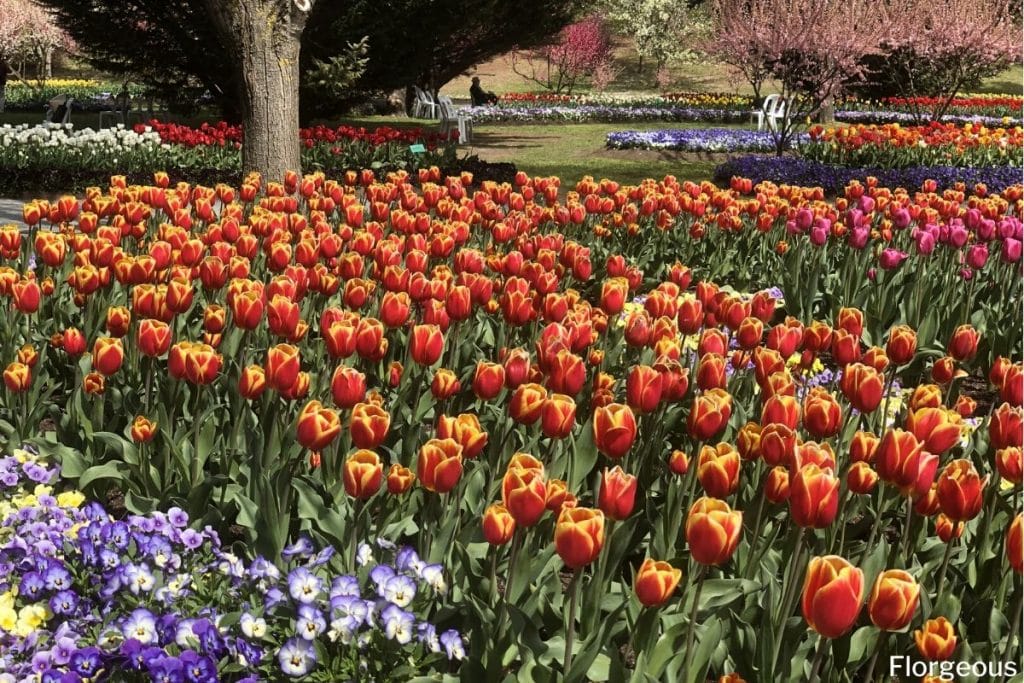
(772,111)
(51,110)
(424,107)
(452,118)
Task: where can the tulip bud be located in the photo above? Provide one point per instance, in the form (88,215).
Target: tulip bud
(142,430)
(713,531)
(362,474)
(579,536)
(937,429)
(943,370)
(557,494)
(426,344)
(107,355)
(893,600)
(718,470)
(439,466)
(822,414)
(558,416)
(466,431)
(862,386)
(498,525)
(252,382)
(17,378)
(614,429)
(709,414)
(863,447)
(780,409)
(902,345)
(1008,464)
(445,384)
(655,582)
(963,345)
(861,478)
(833,590)
(960,490)
(1006,427)
(73,342)
(617,493)
(400,479)
(488,380)
(814,497)
(348,386)
(778,443)
(947,529)
(368,425)
(937,640)
(678,463)
(524,494)
(776,485)
(94,383)
(317,426)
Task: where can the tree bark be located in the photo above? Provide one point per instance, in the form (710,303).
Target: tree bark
(266,39)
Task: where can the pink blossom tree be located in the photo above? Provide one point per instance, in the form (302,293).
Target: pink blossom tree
(582,48)
(812,48)
(28,35)
(945,45)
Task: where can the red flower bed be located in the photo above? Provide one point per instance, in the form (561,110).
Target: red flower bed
(223,134)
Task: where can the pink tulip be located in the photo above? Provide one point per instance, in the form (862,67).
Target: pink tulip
(867,204)
(819,235)
(1011,250)
(901,218)
(872,274)
(891,258)
(987,229)
(972,218)
(804,217)
(925,242)
(859,237)
(977,255)
(957,234)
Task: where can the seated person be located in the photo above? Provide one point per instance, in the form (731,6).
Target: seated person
(479,96)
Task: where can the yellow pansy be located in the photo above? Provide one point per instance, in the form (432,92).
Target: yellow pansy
(70,499)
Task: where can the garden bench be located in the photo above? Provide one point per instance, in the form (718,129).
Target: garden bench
(58,110)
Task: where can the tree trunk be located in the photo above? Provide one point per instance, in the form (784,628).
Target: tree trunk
(266,35)
(828,111)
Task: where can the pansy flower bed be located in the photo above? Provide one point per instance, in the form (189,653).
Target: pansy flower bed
(674,430)
(696,140)
(84,596)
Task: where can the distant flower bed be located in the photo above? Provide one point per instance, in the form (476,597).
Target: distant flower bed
(964,105)
(712,100)
(32,157)
(694,140)
(803,172)
(896,146)
(604,113)
(89,95)
(83,595)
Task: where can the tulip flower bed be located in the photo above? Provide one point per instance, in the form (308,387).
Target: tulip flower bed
(56,157)
(963,105)
(895,146)
(696,140)
(791,170)
(794,460)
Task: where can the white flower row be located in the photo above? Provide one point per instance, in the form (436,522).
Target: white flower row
(65,135)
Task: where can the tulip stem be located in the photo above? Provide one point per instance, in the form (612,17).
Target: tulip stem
(875,526)
(756,532)
(905,542)
(945,564)
(787,590)
(570,629)
(1014,623)
(883,636)
(691,628)
(819,656)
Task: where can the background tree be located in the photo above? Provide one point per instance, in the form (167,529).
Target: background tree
(581,49)
(28,35)
(812,48)
(947,47)
(662,31)
(177,50)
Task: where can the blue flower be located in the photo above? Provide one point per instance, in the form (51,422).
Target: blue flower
(304,586)
(86,662)
(296,657)
(310,622)
(301,548)
(399,590)
(399,625)
(453,646)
